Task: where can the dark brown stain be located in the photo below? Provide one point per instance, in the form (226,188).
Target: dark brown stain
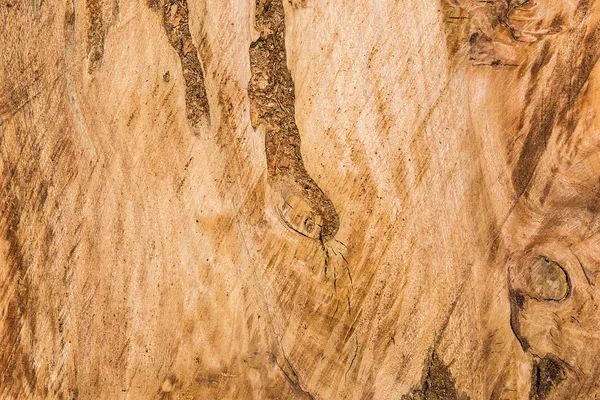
(272,98)
(297,4)
(69,18)
(437,382)
(456,24)
(176,24)
(551,105)
(96,34)
(478,32)
(547,373)
(542,59)
(517,302)
(535,144)
(556,110)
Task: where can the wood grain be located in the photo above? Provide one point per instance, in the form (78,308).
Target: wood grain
(281,199)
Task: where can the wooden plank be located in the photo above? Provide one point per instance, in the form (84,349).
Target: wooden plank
(299,199)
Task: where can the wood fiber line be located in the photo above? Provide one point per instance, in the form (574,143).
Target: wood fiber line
(95,35)
(24,188)
(14,295)
(272,97)
(554,47)
(176,24)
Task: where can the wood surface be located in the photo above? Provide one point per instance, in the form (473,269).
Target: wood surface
(299,199)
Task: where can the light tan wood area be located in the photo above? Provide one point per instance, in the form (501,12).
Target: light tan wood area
(299,199)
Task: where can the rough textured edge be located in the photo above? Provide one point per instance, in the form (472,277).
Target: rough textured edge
(437,382)
(272,97)
(175,16)
(546,375)
(96,34)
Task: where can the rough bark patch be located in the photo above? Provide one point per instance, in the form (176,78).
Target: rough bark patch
(547,374)
(176,24)
(96,34)
(437,382)
(272,97)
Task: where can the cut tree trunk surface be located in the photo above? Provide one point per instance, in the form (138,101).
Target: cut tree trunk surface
(299,199)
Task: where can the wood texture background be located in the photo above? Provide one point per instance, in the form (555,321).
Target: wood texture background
(299,199)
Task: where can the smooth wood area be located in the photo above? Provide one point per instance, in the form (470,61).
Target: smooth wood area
(299,199)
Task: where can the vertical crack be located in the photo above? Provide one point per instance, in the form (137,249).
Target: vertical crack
(96,34)
(175,15)
(272,98)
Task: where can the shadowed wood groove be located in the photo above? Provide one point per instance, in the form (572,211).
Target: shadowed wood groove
(272,98)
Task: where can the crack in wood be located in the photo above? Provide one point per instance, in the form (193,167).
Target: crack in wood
(437,382)
(547,374)
(272,98)
(175,15)
(354,356)
(292,381)
(96,34)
